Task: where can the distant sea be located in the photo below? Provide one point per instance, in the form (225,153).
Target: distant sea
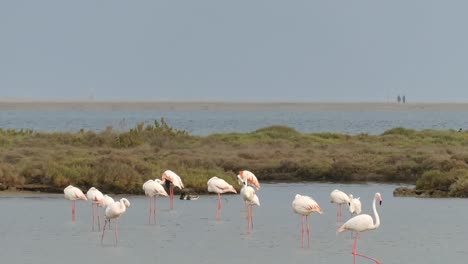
(203,118)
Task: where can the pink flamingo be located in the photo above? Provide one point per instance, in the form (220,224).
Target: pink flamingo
(171,179)
(361,223)
(250,198)
(115,211)
(153,188)
(339,198)
(249,177)
(107,201)
(96,198)
(219,186)
(72,193)
(305,205)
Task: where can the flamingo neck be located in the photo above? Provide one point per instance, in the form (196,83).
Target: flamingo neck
(122,206)
(376,215)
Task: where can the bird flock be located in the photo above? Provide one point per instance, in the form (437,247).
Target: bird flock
(302,205)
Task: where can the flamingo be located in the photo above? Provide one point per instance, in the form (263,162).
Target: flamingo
(249,177)
(250,199)
(153,188)
(115,211)
(354,205)
(96,198)
(72,193)
(107,201)
(305,205)
(219,186)
(339,198)
(361,223)
(170,178)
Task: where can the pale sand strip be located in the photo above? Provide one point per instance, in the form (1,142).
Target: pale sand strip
(228,106)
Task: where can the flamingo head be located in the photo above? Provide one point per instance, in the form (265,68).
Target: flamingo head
(379,197)
(101,202)
(240,180)
(125,202)
(160,182)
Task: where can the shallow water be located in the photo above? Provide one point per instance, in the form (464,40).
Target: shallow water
(200,121)
(39,230)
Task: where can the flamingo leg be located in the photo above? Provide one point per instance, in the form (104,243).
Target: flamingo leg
(248,218)
(154,209)
(247,211)
(115,232)
(104,230)
(337,212)
(98,218)
(302,233)
(308,231)
(92,208)
(359,255)
(171,191)
(149,218)
(73,211)
(251,217)
(341,213)
(218,212)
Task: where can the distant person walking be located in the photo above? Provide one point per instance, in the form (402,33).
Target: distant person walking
(398,99)
(404,99)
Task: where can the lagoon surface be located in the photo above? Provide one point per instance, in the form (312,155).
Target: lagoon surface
(38,229)
(209,118)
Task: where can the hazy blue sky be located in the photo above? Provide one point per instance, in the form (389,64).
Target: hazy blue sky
(234,50)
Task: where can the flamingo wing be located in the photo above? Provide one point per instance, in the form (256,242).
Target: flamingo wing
(160,189)
(222,186)
(358,223)
(79,194)
(339,197)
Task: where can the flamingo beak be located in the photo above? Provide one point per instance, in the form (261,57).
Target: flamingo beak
(380,202)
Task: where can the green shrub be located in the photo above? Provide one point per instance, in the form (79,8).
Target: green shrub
(399,131)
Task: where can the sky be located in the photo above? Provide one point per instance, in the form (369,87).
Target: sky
(243,50)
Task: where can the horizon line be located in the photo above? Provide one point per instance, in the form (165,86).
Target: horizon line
(197,101)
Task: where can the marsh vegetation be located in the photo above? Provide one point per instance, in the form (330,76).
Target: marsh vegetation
(119,162)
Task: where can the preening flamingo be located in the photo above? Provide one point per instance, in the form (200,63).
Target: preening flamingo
(72,193)
(171,179)
(249,177)
(219,186)
(115,211)
(361,223)
(153,189)
(250,199)
(305,205)
(339,198)
(96,198)
(355,206)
